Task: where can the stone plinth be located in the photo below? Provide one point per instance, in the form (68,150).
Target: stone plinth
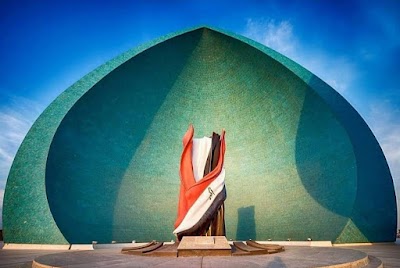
(204,246)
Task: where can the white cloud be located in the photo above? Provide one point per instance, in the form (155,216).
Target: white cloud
(278,36)
(1,198)
(15,121)
(384,122)
(1,207)
(337,71)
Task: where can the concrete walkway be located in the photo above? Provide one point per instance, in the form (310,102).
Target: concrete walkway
(299,257)
(292,257)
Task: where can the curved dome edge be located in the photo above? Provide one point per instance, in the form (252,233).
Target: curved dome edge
(33,222)
(377,222)
(26,180)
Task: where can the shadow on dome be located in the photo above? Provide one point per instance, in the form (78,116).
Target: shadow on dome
(97,138)
(343,168)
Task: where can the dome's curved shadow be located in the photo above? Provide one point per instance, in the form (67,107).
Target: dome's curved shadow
(325,161)
(99,135)
(374,214)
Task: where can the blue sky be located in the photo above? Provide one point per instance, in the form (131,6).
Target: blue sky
(45,46)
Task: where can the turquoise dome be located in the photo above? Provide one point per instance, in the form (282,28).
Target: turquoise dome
(102,161)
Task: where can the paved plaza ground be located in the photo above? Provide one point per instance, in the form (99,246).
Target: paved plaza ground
(388,253)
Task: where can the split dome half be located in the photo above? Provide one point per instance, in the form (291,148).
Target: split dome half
(101,163)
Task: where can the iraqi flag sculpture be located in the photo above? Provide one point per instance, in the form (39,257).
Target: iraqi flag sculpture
(202,189)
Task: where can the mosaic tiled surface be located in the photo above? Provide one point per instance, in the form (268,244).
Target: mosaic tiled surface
(101,163)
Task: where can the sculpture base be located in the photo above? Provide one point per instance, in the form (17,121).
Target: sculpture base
(204,246)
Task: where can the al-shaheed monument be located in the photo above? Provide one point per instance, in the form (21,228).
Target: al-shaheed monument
(102,161)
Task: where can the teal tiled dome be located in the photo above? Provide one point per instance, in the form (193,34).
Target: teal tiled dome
(101,163)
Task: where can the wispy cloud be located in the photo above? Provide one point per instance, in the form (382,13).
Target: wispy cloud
(276,35)
(384,122)
(336,70)
(15,120)
(1,207)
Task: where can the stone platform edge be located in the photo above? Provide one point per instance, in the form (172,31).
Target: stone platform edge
(299,243)
(15,246)
(12,246)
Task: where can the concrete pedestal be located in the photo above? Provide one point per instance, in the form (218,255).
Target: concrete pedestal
(204,246)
